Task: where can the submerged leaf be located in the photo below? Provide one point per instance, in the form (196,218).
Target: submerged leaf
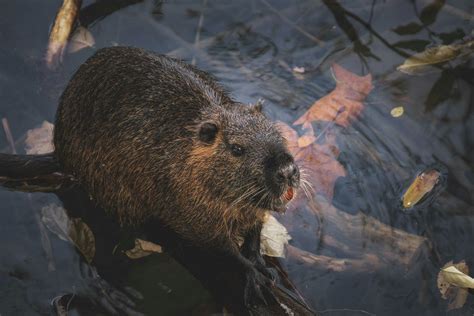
(408,29)
(422,185)
(83,238)
(73,230)
(450,37)
(344,103)
(40,140)
(430,12)
(318,162)
(142,249)
(441,90)
(56,220)
(416,45)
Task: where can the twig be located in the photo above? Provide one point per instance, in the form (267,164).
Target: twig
(293,25)
(61,31)
(8,134)
(45,242)
(198,31)
(352,311)
(455,11)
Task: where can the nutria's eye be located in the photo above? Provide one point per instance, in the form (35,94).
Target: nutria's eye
(207,132)
(236,150)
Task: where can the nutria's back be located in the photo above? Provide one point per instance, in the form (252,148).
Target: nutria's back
(148,135)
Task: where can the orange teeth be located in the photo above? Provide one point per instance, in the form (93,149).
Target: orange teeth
(289,194)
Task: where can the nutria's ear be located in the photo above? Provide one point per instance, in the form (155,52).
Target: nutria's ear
(257,106)
(208,132)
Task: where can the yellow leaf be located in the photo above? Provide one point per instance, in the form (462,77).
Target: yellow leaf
(422,185)
(457,296)
(397,112)
(455,277)
(421,62)
(142,249)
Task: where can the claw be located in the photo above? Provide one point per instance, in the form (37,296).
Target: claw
(261,266)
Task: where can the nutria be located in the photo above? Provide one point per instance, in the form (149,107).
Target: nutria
(149,136)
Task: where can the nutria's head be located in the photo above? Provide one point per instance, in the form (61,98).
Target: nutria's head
(241,158)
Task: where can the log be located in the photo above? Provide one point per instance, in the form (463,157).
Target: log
(364,242)
(220,276)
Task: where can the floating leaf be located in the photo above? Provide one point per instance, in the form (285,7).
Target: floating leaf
(81,39)
(422,62)
(142,249)
(453,276)
(344,103)
(397,111)
(299,70)
(73,230)
(408,29)
(40,140)
(456,295)
(274,237)
(422,185)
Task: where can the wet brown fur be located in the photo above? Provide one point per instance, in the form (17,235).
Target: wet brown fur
(126,128)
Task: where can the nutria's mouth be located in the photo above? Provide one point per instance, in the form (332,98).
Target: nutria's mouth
(279,205)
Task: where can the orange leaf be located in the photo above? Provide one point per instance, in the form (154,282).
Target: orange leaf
(344,103)
(318,162)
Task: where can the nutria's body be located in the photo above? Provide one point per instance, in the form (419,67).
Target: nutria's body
(149,136)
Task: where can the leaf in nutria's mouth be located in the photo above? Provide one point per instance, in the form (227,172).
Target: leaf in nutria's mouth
(288,195)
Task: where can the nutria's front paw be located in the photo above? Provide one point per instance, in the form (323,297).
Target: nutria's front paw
(257,289)
(261,266)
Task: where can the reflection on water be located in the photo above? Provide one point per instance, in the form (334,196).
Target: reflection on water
(252,47)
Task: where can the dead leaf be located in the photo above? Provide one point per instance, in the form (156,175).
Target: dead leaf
(344,103)
(318,162)
(397,111)
(81,39)
(72,230)
(142,249)
(456,295)
(274,237)
(299,70)
(421,63)
(61,31)
(422,185)
(457,278)
(40,140)
(83,238)
(56,220)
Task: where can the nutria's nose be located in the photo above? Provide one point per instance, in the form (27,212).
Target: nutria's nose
(289,174)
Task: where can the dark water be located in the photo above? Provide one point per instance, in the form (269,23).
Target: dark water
(251,47)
